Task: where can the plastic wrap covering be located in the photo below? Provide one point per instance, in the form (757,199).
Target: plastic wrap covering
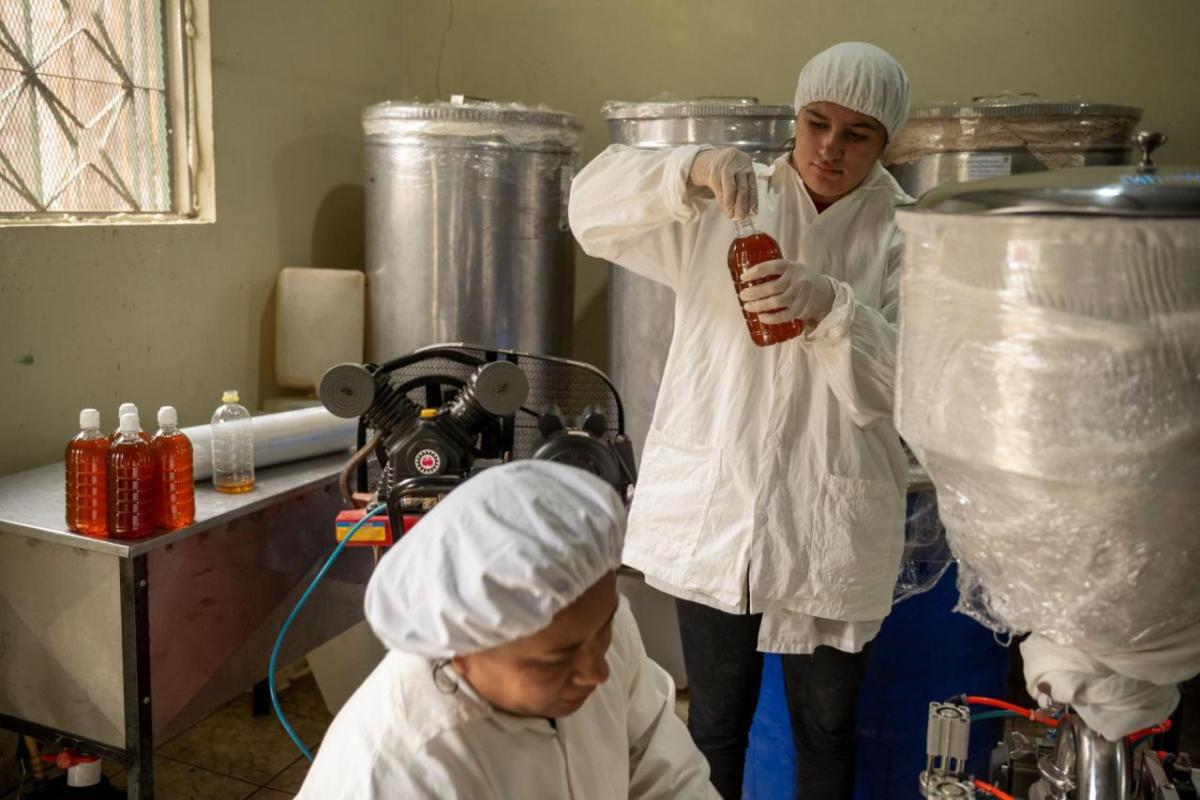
(992,137)
(514,124)
(741,122)
(466,222)
(1049,381)
(926,554)
(1056,134)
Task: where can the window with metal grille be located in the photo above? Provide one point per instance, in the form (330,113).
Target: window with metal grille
(99,112)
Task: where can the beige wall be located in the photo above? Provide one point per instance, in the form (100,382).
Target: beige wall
(573,55)
(175,314)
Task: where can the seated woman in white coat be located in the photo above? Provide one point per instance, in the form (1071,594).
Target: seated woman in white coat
(514,669)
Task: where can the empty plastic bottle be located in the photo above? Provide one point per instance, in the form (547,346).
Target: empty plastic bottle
(232,446)
(87,459)
(130,483)
(175,494)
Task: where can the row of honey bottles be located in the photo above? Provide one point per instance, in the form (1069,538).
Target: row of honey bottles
(128,484)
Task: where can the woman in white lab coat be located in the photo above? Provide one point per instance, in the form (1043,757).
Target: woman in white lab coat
(513,670)
(771,496)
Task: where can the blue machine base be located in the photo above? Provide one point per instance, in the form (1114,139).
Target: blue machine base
(923,653)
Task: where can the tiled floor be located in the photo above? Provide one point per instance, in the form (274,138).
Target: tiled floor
(233,755)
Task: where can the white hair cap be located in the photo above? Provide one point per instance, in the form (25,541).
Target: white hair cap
(861,77)
(496,559)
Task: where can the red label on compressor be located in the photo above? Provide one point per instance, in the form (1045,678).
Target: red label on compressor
(428,462)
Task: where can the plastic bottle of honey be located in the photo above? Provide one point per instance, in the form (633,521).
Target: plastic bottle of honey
(130,483)
(127,408)
(175,494)
(86,462)
(751,247)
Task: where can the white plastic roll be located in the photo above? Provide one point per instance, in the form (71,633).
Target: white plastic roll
(280,438)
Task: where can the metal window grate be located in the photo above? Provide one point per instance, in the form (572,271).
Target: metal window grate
(84,120)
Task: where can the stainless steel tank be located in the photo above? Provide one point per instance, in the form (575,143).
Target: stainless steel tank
(1048,379)
(641,312)
(996,136)
(466,224)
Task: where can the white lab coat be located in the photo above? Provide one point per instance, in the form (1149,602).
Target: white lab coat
(772,479)
(401,736)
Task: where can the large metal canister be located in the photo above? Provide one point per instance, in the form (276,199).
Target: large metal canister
(641,313)
(1049,380)
(992,137)
(466,223)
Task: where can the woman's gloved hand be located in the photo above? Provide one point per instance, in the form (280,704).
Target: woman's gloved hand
(797,292)
(729,174)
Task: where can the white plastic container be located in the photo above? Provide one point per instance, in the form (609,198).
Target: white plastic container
(303,351)
(232,446)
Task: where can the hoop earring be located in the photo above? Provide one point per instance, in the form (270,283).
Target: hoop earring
(446,684)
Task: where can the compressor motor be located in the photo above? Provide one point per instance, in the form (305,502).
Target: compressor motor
(434,418)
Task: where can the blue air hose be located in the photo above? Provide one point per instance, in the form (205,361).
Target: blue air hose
(287,623)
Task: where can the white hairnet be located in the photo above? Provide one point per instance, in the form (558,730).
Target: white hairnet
(496,559)
(861,77)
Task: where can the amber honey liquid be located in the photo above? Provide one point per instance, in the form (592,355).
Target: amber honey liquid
(175,495)
(130,489)
(87,489)
(745,252)
(241,487)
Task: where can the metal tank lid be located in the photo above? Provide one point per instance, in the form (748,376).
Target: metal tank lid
(1141,190)
(462,108)
(698,107)
(1022,105)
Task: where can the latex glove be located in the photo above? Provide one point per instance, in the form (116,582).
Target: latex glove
(729,174)
(797,292)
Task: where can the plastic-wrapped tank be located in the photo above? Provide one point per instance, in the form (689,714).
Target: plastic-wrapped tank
(467,240)
(641,313)
(1049,380)
(1008,135)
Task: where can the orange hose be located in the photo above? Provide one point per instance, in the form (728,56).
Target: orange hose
(992,790)
(1162,727)
(1024,712)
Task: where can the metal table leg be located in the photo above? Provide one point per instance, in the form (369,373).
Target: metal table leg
(135,649)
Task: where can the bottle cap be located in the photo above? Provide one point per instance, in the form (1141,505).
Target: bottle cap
(126,408)
(130,423)
(230,396)
(167,417)
(745,227)
(89,418)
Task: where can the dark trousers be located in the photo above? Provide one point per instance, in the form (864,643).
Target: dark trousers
(724,670)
